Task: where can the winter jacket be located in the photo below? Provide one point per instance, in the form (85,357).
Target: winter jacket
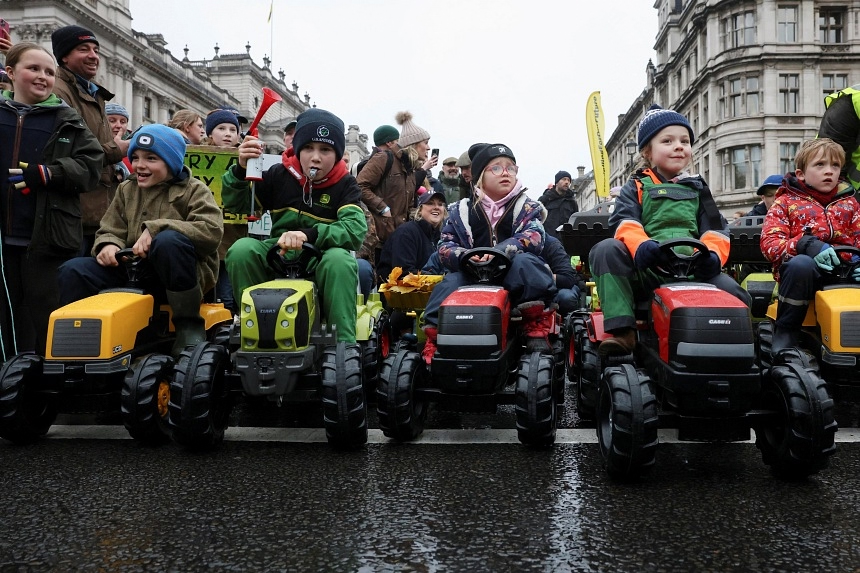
(841,123)
(53,134)
(95,202)
(409,248)
(559,209)
(333,218)
(519,230)
(186,206)
(798,224)
(558,262)
(760,210)
(649,208)
(396,190)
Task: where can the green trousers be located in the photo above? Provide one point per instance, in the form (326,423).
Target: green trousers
(336,277)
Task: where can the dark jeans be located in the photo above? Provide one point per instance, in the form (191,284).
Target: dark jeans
(172,260)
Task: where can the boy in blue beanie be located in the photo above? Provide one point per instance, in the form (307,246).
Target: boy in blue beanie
(313,199)
(165,216)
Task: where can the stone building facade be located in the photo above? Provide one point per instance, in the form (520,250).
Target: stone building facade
(751,76)
(152,83)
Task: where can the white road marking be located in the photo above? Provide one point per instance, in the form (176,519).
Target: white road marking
(450,437)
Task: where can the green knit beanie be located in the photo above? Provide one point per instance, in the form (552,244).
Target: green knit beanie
(385,133)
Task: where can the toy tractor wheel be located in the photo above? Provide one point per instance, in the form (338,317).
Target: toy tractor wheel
(534,403)
(588,379)
(376,349)
(25,415)
(801,441)
(401,413)
(574,329)
(145,397)
(764,341)
(627,422)
(558,369)
(199,398)
(343,400)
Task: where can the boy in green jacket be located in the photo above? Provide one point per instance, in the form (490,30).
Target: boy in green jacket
(312,198)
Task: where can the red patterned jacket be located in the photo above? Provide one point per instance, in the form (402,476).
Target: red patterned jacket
(798,224)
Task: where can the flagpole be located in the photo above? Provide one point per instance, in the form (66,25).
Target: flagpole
(271,30)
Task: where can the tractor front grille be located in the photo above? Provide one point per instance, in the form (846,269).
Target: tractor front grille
(77,337)
(849,326)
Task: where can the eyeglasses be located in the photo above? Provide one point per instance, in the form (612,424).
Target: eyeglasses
(499,169)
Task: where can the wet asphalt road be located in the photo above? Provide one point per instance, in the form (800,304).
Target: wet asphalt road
(113,505)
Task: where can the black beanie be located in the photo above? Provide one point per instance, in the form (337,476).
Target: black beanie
(487,153)
(319,125)
(560,175)
(67,38)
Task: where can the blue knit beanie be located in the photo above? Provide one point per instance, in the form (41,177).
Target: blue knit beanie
(220,116)
(656,118)
(116,109)
(322,126)
(165,142)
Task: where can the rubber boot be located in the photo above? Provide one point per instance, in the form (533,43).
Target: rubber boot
(783,338)
(189,325)
(431,332)
(536,324)
(786,327)
(622,343)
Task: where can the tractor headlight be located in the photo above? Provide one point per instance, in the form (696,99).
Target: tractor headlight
(291,309)
(285,324)
(247,309)
(249,323)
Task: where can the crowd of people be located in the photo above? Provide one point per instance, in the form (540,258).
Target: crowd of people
(81,187)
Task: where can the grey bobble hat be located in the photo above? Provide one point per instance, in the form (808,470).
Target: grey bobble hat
(656,118)
(409,132)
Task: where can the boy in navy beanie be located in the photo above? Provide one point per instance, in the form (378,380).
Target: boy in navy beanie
(313,199)
(166,217)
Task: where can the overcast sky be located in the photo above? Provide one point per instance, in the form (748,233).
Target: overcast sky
(517,72)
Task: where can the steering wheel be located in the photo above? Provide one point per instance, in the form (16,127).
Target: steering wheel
(135,266)
(293,268)
(677,265)
(843,271)
(492,271)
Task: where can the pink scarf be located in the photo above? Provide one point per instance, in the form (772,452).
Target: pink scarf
(494,209)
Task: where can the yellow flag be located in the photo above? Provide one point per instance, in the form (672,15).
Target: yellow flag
(599,158)
(271,7)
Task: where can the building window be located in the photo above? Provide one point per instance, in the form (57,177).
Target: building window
(787,153)
(705,123)
(834,82)
(741,167)
(147,108)
(694,115)
(789,93)
(830,25)
(740,97)
(738,30)
(786,24)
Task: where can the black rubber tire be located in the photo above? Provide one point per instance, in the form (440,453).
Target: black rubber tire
(802,441)
(575,329)
(587,381)
(534,403)
(145,397)
(25,415)
(200,402)
(220,335)
(558,371)
(764,342)
(401,415)
(343,400)
(627,422)
(375,350)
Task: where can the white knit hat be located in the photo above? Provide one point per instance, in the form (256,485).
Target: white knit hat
(409,132)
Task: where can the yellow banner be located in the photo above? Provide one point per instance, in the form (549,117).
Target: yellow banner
(208,164)
(599,158)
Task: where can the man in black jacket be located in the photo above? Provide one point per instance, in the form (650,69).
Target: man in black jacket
(559,202)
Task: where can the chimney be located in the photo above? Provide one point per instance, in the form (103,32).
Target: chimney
(580,170)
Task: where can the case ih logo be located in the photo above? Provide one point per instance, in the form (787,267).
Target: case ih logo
(464,317)
(725,321)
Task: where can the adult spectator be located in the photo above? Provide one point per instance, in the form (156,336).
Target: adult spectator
(190,125)
(449,177)
(289,132)
(767,192)
(842,124)
(388,180)
(559,202)
(77,52)
(465,164)
(118,119)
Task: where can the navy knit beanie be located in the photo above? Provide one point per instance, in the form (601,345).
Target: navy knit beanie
(322,126)
(487,153)
(165,142)
(656,118)
(67,38)
(220,116)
